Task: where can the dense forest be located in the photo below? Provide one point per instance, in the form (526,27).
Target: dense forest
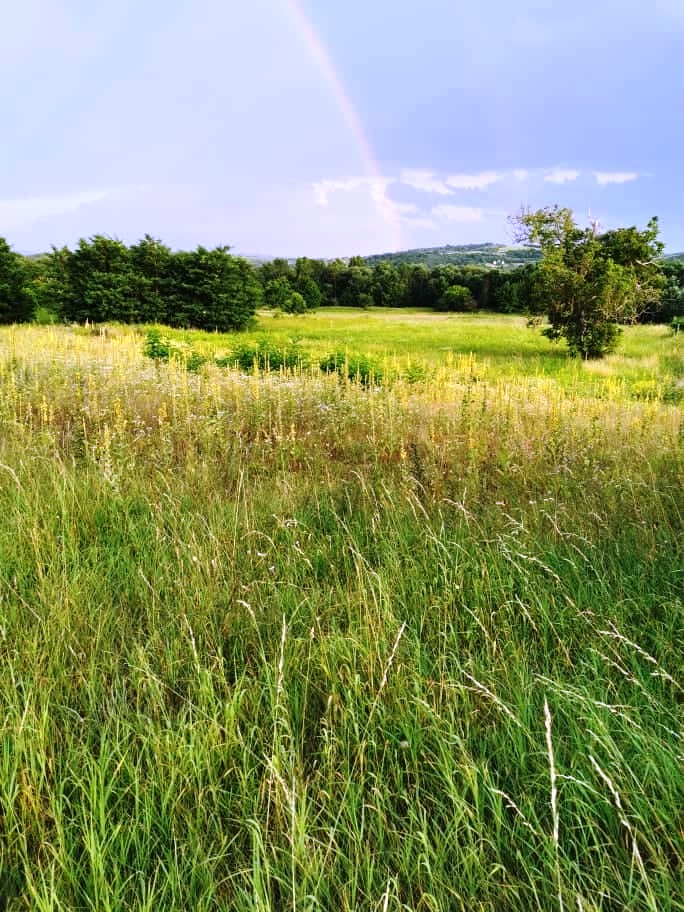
(103,279)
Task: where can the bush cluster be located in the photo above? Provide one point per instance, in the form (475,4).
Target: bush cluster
(104,280)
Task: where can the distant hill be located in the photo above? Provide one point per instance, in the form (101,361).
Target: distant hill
(494,255)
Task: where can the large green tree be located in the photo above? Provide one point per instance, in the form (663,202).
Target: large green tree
(100,282)
(49,285)
(388,287)
(419,292)
(277,292)
(306,283)
(588,284)
(212,290)
(16,305)
(358,284)
(150,262)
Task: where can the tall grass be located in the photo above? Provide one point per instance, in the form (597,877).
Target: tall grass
(282,641)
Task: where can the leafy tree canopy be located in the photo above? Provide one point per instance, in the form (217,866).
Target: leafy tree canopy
(588,283)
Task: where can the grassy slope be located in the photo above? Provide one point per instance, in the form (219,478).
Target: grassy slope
(274,642)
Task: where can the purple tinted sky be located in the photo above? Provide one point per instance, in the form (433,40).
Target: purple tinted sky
(212,121)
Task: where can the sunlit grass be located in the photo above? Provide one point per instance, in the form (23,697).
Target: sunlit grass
(282,641)
(647,364)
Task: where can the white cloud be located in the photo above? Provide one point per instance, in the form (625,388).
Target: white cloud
(424,180)
(356,197)
(473,181)
(377,187)
(361,190)
(614,177)
(19,213)
(464,214)
(322,189)
(561,175)
(391,210)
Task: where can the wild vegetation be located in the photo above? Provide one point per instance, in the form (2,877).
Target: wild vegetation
(289,640)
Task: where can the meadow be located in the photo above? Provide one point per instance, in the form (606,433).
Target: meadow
(648,363)
(285,640)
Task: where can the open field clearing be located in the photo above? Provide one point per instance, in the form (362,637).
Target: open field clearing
(648,363)
(284,641)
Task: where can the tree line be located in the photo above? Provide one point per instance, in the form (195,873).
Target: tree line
(102,279)
(355,283)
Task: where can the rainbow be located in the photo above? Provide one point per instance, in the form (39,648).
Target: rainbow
(324,64)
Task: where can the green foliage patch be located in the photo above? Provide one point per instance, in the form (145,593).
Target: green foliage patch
(361,368)
(161,348)
(265,355)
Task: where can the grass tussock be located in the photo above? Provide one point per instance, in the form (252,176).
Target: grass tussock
(289,641)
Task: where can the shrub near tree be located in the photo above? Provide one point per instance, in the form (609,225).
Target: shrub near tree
(458,299)
(295,304)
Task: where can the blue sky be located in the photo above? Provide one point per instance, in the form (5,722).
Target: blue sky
(322,128)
